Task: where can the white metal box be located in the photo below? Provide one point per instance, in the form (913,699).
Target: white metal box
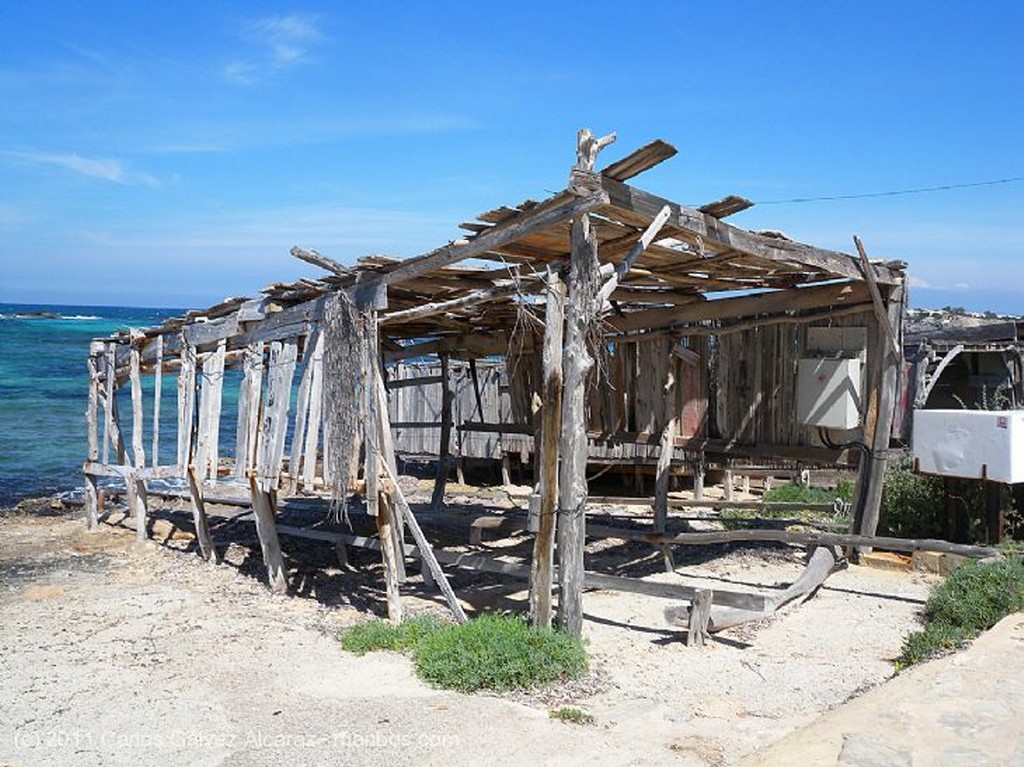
(828,393)
(974,444)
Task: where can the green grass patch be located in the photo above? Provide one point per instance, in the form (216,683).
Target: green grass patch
(492,652)
(497,652)
(974,598)
(794,492)
(571,715)
(382,635)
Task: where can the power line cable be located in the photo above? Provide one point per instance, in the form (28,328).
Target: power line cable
(894,193)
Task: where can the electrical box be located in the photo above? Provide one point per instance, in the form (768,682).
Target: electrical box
(973,444)
(828,393)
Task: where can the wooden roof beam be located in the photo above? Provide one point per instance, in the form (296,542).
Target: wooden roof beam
(560,208)
(721,235)
(793,299)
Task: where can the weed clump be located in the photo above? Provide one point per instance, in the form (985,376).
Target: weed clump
(974,598)
(497,652)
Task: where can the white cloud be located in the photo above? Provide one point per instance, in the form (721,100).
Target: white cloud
(102,168)
(917,282)
(282,42)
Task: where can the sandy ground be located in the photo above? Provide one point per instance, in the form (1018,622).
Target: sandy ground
(117,653)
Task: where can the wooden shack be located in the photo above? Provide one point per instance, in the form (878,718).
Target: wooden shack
(603,326)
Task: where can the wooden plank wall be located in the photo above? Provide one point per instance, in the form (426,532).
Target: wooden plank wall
(630,400)
(757,372)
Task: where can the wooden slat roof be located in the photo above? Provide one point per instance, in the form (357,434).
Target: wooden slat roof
(696,253)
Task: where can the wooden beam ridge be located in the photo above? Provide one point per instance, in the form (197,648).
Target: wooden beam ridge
(712,231)
(559,208)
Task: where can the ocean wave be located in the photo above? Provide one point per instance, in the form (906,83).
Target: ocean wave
(81,317)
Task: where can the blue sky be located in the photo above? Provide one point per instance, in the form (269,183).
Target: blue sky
(170,154)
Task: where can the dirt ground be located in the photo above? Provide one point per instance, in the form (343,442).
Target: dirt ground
(117,653)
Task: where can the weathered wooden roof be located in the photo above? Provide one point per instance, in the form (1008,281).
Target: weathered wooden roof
(453,292)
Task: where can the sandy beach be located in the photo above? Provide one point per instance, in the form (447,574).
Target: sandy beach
(120,653)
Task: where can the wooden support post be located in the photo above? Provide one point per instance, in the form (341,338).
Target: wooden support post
(698,483)
(92,408)
(138,416)
(316,403)
(444,450)
(302,410)
(995,521)
(266,531)
(729,489)
(877,434)
(246,436)
(92,504)
(581,312)
(199,519)
(186,404)
(158,386)
(208,437)
(111,401)
(699,616)
(666,449)
(92,429)
(431,564)
(137,486)
(378,504)
(386,446)
(551,424)
(270,451)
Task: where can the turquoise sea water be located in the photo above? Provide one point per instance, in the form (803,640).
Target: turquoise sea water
(44,389)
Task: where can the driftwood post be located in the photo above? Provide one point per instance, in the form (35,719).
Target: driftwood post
(138,451)
(263,481)
(249,392)
(666,449)
(378,504)
(158,390)
(581,311)
(302,410)
(884,390)
(551,418)
(430,568)
(447,397)
(199,519)
(92,428)
(186,404)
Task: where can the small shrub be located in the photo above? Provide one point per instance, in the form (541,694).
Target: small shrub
(913,505)
(497,652)
(382,635)
(974,598)
(571,715)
